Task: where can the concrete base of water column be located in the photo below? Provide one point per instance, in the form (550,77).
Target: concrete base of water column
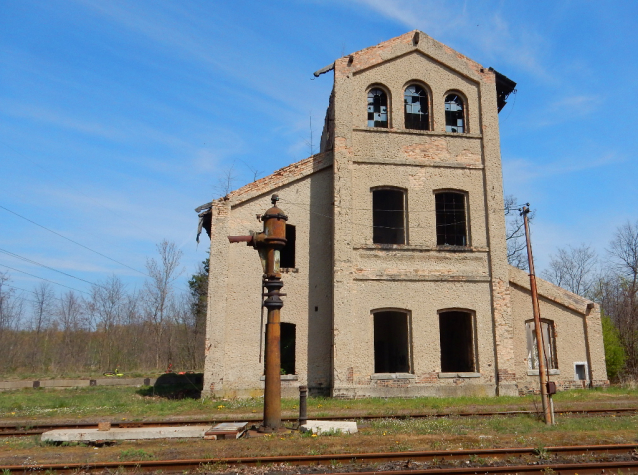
(134,433)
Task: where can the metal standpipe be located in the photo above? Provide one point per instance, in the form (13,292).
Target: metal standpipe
(269,244)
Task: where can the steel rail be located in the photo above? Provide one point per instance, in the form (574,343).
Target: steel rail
(27,429)
(433,456)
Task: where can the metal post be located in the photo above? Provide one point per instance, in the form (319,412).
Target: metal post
(537,321)
(303,408)
(272,393)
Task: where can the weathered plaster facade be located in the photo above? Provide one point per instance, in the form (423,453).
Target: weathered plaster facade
(342,277)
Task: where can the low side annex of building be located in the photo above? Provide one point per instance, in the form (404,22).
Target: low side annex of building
(395,269)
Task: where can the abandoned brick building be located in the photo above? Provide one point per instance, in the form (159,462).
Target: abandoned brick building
(395,270)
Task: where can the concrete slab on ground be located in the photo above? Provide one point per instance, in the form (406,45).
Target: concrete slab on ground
(226,430)
(134,433)
(317,427)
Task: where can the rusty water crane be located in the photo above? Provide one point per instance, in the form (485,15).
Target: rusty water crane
(269,243)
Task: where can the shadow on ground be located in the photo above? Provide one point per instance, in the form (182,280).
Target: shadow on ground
(176,386)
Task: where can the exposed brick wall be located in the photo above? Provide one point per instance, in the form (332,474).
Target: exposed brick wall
(281,177)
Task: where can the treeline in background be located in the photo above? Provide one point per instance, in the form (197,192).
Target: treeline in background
(144,330)
(108,327)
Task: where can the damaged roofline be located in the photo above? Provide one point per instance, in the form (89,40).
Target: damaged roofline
(330,67)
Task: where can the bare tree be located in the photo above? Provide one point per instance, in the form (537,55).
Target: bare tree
(226,181)
(71,321)
(619,291)
(105,307)
(515,233)
(624,252)
(158,290)
(573,269)
(11,312)
(43,309)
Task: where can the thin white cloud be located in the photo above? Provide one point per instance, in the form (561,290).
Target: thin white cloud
(520,171)
(485,36)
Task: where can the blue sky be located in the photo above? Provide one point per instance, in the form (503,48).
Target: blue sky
(118,118)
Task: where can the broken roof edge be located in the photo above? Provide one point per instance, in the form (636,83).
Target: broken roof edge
(412,40)
(282,177)
(552,292)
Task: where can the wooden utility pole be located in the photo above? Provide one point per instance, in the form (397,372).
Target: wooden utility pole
(542,368)
(269,244)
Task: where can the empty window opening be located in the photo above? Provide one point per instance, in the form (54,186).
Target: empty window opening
(287,347)
(457,342)
(549,344)
(451,228)
(580,371)
(287,254)
(416,108)
(377,108)
(391,342)
(454,118)
(388,216)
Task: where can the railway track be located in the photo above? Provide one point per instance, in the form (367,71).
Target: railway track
(36,429)
(508,460)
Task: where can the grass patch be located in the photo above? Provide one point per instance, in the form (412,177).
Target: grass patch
(148,402)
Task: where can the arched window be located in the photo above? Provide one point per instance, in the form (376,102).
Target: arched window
(454,113)
(451,222)
(377,108)
(456,332)
(416,108)
(388,216)
(392,342)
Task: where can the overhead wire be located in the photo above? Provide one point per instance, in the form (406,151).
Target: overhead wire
(42,278)
(26,259)
(70,185)
(73,241)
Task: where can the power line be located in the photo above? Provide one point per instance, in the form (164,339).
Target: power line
(74,242)
(47,267)
(70,185)
(42,278)
(26,290)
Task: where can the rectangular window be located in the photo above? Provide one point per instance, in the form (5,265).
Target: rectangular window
(388,216)
(391,342)
(580,371)
(451,227)
(287,255)
(549,344)
(287,345)
(457,342)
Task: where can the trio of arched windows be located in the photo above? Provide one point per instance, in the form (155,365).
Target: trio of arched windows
(417,109)
(389,217)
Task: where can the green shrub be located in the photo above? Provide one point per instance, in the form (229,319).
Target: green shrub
(614,351)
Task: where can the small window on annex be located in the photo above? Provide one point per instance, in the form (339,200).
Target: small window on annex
(377,108)
(388,216)
(454,114)
(451,223)
(416,108)
(549,344)
(457,342)
(287,253)
(287,345)
(391,342)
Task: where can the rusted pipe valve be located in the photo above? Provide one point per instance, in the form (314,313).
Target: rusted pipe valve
(269,243)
